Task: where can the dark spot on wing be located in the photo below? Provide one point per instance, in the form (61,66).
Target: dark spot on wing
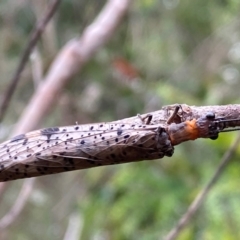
(48,132)
(25,141)
(18,137)
(119,131)
(51,130)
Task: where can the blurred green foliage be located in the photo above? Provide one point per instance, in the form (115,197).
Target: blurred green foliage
(182,52)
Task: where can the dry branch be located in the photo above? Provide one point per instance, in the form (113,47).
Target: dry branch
(187,112)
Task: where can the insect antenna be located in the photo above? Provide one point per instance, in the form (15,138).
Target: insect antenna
(230,129)
(228,125)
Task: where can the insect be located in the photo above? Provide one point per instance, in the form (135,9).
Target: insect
(60,149)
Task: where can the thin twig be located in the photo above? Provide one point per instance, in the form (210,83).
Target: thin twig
(184,220)
(34,37)
(19,204)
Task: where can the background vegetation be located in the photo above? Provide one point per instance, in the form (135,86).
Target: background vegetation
(164,52)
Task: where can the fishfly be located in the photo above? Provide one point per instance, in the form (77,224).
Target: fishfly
(60,149)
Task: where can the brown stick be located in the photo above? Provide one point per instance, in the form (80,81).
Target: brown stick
(187,112)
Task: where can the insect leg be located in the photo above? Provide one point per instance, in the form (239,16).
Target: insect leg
(148,117)
(174,114)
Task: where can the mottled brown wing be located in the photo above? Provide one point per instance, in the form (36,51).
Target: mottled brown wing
(57,150)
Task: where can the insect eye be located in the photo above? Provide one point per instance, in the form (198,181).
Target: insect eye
(214,138)
(210,115)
